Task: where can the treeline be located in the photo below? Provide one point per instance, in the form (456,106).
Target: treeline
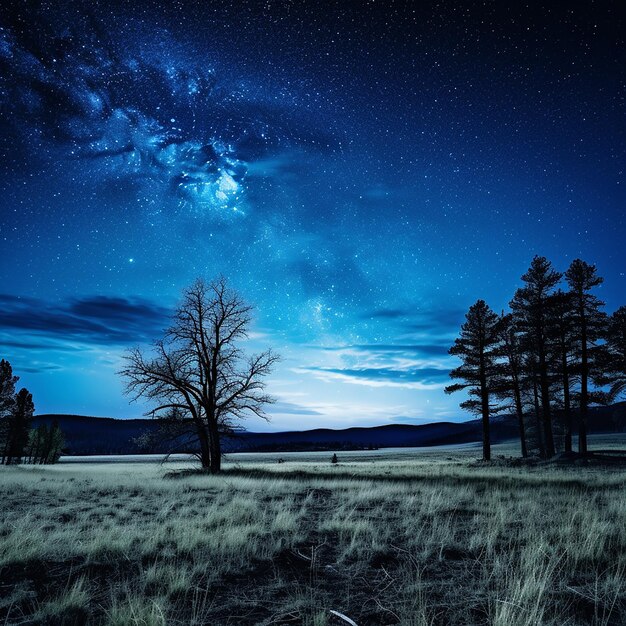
(19,442)
(555,353)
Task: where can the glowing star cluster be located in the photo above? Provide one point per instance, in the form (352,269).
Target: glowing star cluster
(157,124)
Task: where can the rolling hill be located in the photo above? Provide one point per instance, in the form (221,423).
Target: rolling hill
(101,435)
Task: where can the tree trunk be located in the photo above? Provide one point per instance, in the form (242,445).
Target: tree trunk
(520,418)
(484,397)
(486,439)
(568,430)
(568,413)
(205,451)
(214,444)
(538,424)
(584,392)
(566,399)
(545,406)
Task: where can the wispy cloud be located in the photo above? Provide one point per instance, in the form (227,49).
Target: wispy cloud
(415,318)
(98,320)
(427,378)
(291,408)
(319,413)
(423,349)
(404,365)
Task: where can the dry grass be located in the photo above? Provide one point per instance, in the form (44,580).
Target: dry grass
(386,538)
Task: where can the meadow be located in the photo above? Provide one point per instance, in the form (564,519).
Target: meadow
(410,537)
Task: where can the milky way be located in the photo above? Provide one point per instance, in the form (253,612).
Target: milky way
(362,172)
(156,118)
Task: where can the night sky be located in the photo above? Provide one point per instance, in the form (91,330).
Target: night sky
(361,172)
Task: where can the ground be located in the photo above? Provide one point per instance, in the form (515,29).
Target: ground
(409,537)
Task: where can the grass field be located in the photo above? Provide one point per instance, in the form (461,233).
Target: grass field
(393,537)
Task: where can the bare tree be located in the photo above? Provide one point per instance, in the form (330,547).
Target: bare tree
(197,373)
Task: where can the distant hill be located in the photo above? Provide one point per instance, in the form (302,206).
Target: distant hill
(103,435)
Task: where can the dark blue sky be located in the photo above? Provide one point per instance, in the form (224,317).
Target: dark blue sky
(361,171)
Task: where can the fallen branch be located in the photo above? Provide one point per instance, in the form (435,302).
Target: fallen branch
(343,617)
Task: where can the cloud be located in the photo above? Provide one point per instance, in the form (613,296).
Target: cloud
(324,413)
(405,365)
(416,319)
(95,320)
(385,313)
(5,342)
(290,408)
(385,373)
(441,320)
(36,368)
(427,349)
(424,378)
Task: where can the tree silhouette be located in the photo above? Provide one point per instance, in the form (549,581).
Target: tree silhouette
(54,444)
(531,308)
(7,403)
(19,427)
(477,347)
(45,444)
(565,345)
(614,373)
(37,444)
(588,323)
(511,373)
(198,374)
(555,352)
(532,369)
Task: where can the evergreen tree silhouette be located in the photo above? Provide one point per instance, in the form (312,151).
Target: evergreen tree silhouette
(19,426)
(565,343)
(614,373)
(511,373)
(477,347)
(588,323)
(54,444)
(36,444)
(7,402)
(531,308)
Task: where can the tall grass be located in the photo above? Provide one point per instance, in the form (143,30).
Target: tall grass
(383,541)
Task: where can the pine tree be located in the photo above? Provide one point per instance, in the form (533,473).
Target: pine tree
(532,368)
(588,323)
(36,441)
(55,443)
(531,313)
(7,402)
(512,373)
(19,426)
(565,346)
(616,350)
(42,443)
(477,347)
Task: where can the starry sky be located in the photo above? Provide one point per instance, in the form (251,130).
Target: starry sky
(361,172)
